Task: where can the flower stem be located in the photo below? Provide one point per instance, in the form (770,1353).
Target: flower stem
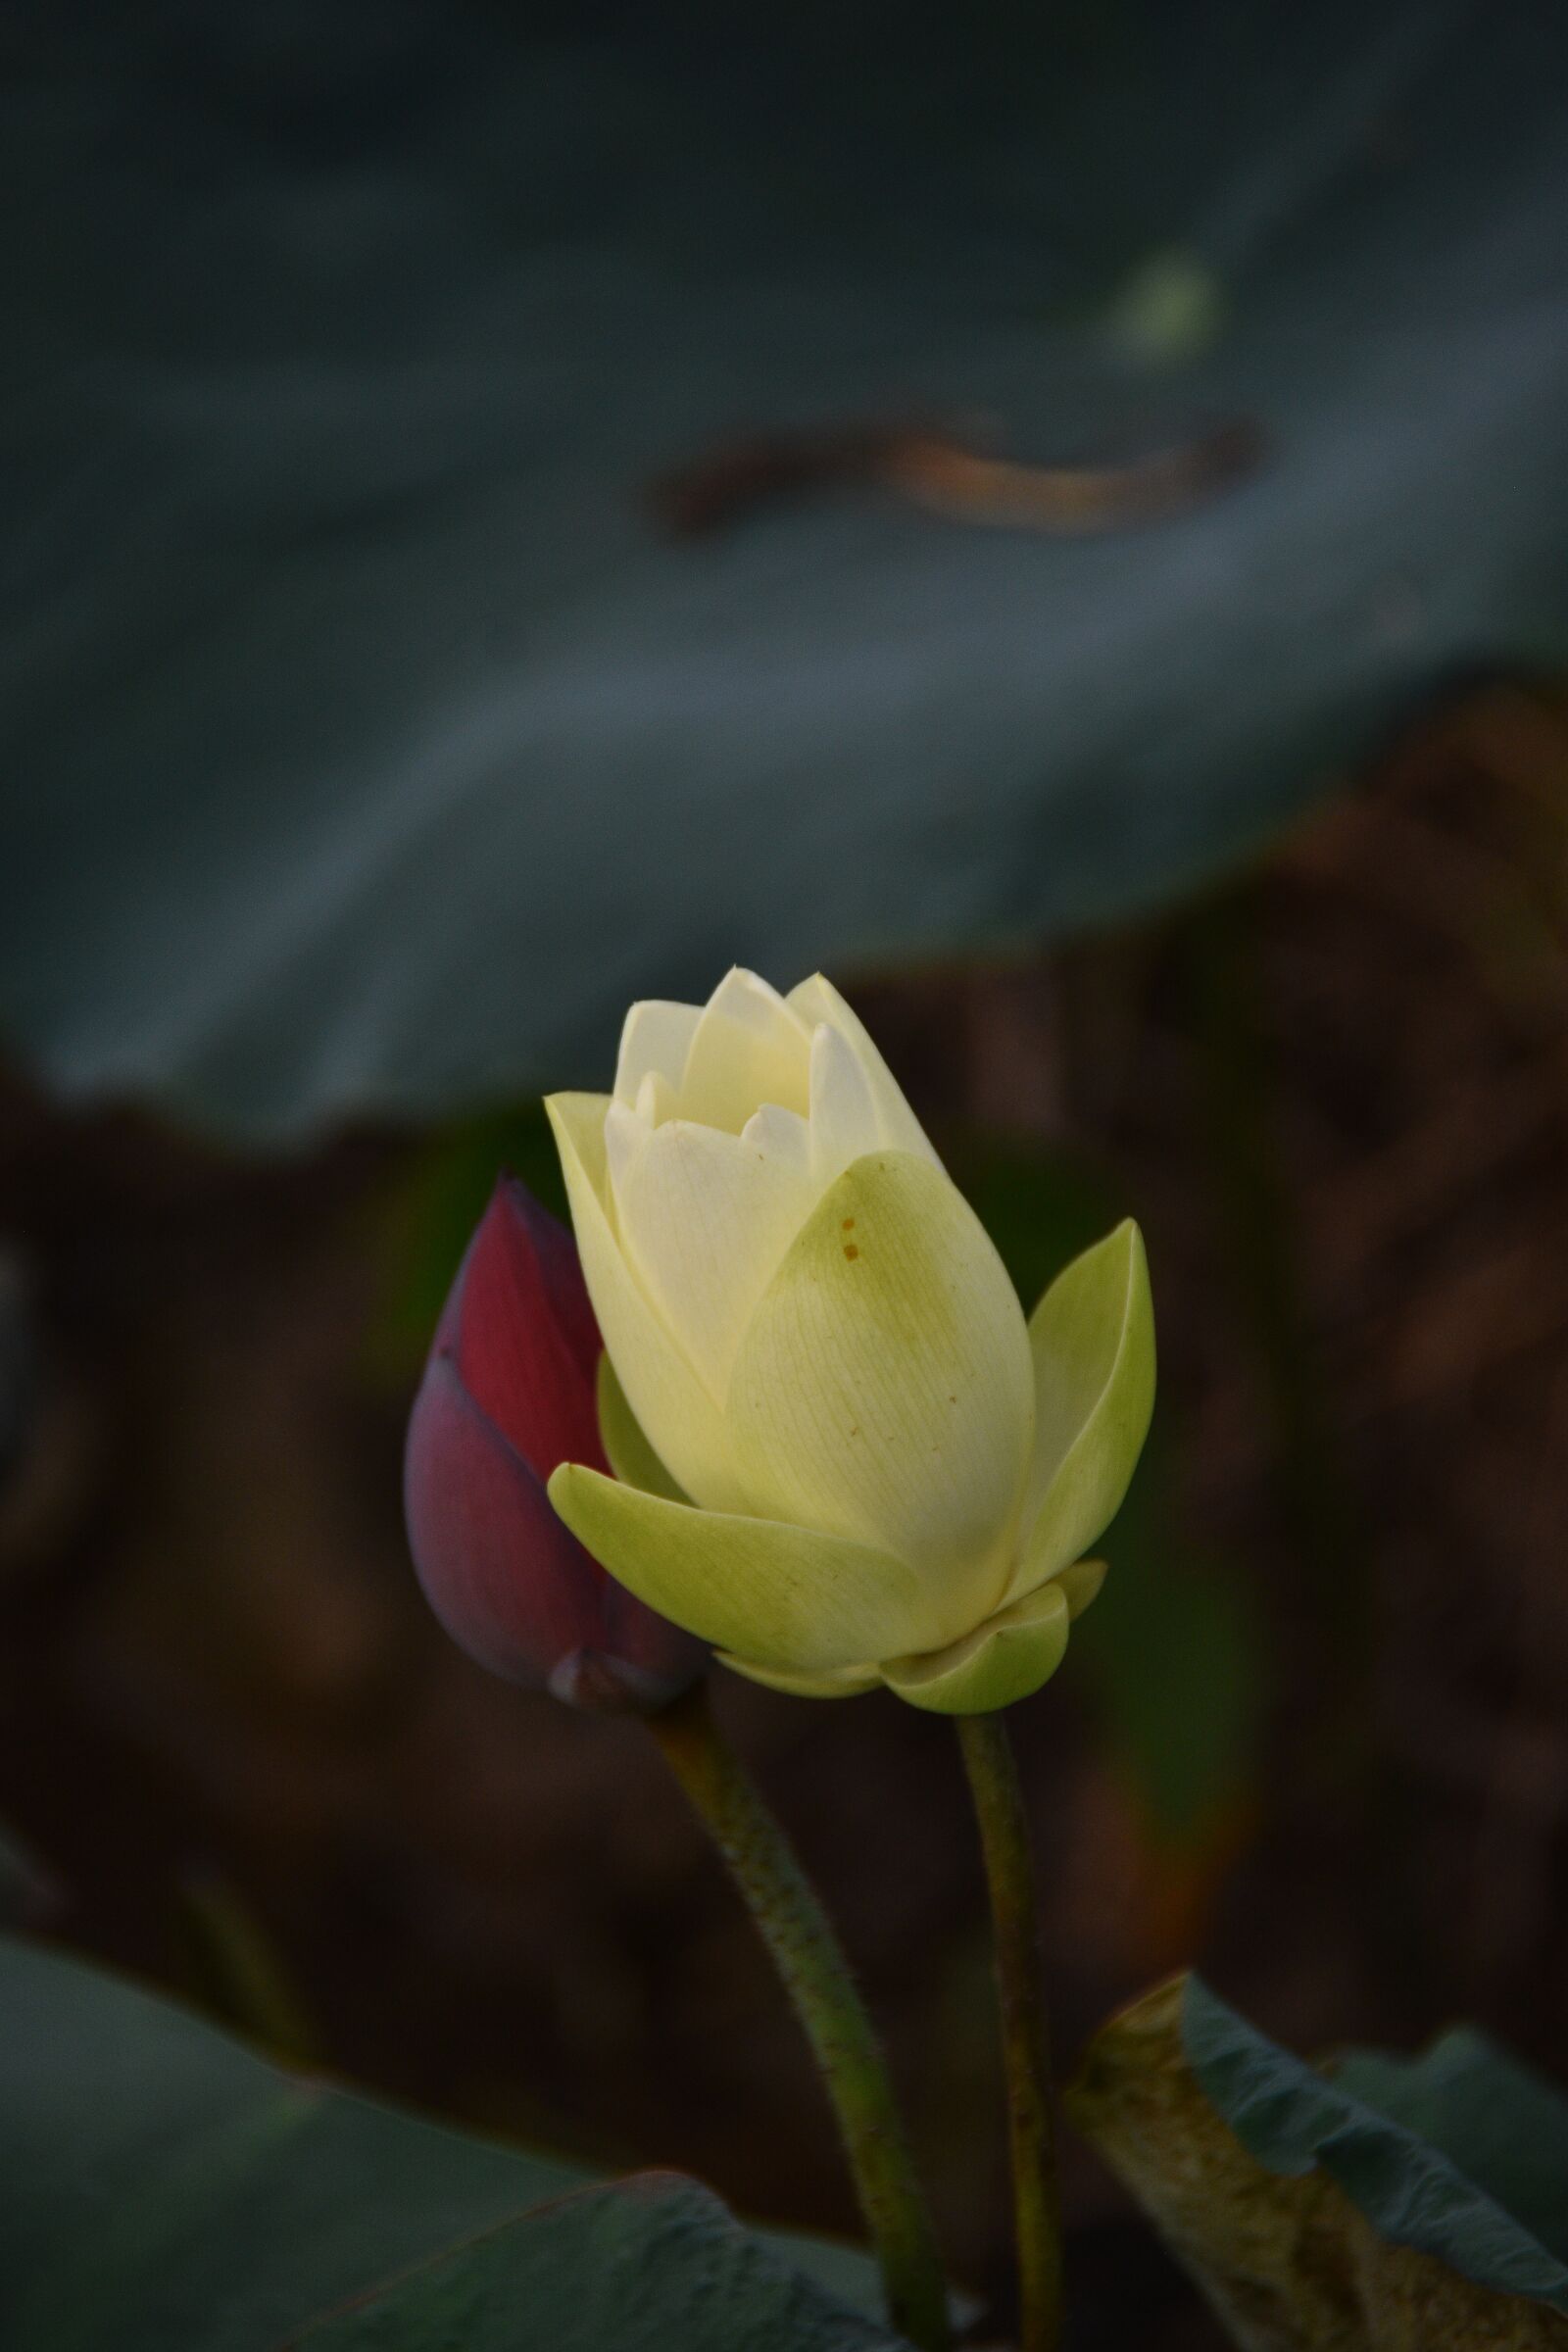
(1025,2043)
(811,1960)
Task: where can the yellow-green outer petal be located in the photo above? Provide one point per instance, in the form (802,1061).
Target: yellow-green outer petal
(847,1681)
(1004,1661)
(1092,1338)
(684,1424)
(1078,1585)
(621,1432)
(884,1391)
(789,1597)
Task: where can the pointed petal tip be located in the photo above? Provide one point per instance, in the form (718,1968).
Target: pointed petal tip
(655,1039)
(1080,1585)
(1091,1339)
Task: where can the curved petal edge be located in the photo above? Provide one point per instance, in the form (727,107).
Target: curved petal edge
(794,1599)
(1004,1661)
(844,1682)
(1091,1339)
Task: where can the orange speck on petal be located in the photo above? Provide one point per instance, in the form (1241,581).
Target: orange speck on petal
(850,1250)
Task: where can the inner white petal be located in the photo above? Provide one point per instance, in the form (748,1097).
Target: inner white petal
(626,1135)
(657,1099)
(782,1136)
(749,1047)
(844,1124)
(818,1001)
(705,1219)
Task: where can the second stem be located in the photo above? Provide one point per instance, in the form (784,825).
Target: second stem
(808,1956)
(1025,2042)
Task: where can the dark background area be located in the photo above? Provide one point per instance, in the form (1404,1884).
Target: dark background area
(1320,1747)
(374,727)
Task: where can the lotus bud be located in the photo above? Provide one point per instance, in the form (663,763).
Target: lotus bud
(842,1456)
(508,1392)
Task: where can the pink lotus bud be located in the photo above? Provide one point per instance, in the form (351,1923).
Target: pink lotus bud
(507,1393)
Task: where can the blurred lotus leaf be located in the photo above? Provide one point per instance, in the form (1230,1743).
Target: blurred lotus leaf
(1384,2204)
(370,740)
(166,2186)
(652,2263)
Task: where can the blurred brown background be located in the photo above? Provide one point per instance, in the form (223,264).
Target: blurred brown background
(1322,1749)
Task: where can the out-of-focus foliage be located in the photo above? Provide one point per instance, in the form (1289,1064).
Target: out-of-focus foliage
(1292,2118)
(1178,1672)
(17,1359)
(648,2264)
(1500,2125)
(166,2186)
(367,743)
(1313,2215)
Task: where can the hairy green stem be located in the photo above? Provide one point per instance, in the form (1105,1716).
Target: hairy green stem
(811,1960)
(1025,2045)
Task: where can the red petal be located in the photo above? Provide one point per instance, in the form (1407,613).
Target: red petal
(522,1330)
(505,1577)
(510,1584)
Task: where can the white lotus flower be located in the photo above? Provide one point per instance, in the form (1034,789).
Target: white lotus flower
(842,1455)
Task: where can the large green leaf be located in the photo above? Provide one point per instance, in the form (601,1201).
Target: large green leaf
(364,743)
(1291,2118)
(1322,2212)
(161,2187)
(652,2265)
(1500,2125)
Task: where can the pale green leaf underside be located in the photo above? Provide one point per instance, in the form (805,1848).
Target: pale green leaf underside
(1313,2221)
(1418,2194)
